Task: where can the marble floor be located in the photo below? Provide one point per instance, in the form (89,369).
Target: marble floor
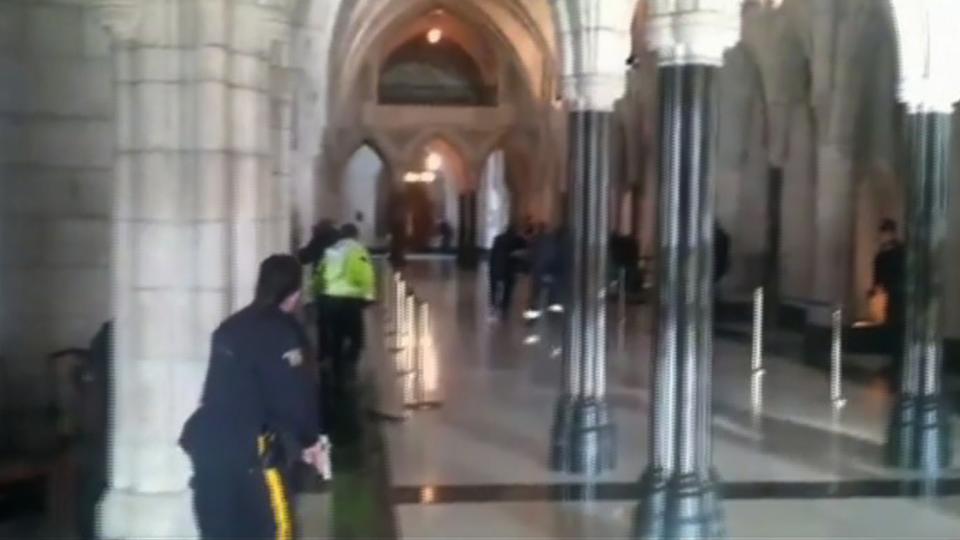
(475,466)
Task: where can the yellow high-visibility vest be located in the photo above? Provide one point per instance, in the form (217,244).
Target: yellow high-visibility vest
(346,271)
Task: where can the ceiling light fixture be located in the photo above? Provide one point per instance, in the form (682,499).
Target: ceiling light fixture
(433,162)
(434,36)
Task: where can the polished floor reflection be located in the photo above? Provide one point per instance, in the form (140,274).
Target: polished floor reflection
(477,465)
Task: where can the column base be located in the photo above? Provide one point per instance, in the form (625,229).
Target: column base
(649,520)
(127,514)
(919,433)
(901,432)
(583,438)
(684,507)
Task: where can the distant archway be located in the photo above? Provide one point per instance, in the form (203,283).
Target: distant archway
(430,203)
(365,195)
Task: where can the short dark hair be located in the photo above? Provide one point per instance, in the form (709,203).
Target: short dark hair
(349,231)
(888,226)
(280,276)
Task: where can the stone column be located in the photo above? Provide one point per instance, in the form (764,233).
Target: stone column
(583,437)
(679,499)
(929,86)
(192,218)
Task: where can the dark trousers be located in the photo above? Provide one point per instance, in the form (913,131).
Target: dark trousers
(91,486)
(346,337)
(346,334)
(233,503)
(322,313)
(895,330)
(501,293)
(543,291)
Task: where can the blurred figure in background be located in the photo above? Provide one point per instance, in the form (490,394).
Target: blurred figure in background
(446,236)
(545,263)
(721,253)
(504,265)
(889,268)
(325,234)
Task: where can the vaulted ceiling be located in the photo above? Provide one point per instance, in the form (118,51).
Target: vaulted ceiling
(521,29)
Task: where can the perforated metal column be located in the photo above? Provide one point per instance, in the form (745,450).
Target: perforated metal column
(919,428)
(678,494)
(584,436)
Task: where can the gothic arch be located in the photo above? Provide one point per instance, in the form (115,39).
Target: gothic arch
(377,24)
(450,138)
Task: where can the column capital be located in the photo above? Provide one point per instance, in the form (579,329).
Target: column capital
(121,18)
(595,39)
(928,37)
(692,31)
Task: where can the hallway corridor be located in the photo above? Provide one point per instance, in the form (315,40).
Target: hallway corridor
(477,466)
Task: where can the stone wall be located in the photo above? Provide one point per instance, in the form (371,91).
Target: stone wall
(57,135)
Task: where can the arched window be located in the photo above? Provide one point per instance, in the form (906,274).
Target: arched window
(421,72)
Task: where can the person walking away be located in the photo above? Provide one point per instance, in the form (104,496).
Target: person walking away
(398,241)
(888,284)
(721,253)
(325,235)
(446,236)
(348,284)
(503,269)
(257,414)
(544,253)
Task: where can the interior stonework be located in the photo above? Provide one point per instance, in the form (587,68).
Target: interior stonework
(153,152)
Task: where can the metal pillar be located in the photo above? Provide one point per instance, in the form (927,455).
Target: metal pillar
(583,434)
(679,499)
(919,434)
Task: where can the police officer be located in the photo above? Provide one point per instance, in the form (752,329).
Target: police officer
(257,415)
(346,280)
(325,235)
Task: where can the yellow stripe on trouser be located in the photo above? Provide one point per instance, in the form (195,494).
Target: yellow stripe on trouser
(278,498)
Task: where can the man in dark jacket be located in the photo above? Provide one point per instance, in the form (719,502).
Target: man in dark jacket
(888,273)
(325,234)
(503,270)
(889,266)
(257,415)
(545,263)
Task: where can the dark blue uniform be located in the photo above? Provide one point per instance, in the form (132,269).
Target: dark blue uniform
(257,412)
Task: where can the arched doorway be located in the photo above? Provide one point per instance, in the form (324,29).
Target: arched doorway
(365,184)
(431,191)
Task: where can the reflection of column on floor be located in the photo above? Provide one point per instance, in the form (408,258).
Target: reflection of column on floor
(679,499)
(192,217)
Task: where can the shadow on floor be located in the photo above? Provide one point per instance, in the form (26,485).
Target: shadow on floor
(361,504)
